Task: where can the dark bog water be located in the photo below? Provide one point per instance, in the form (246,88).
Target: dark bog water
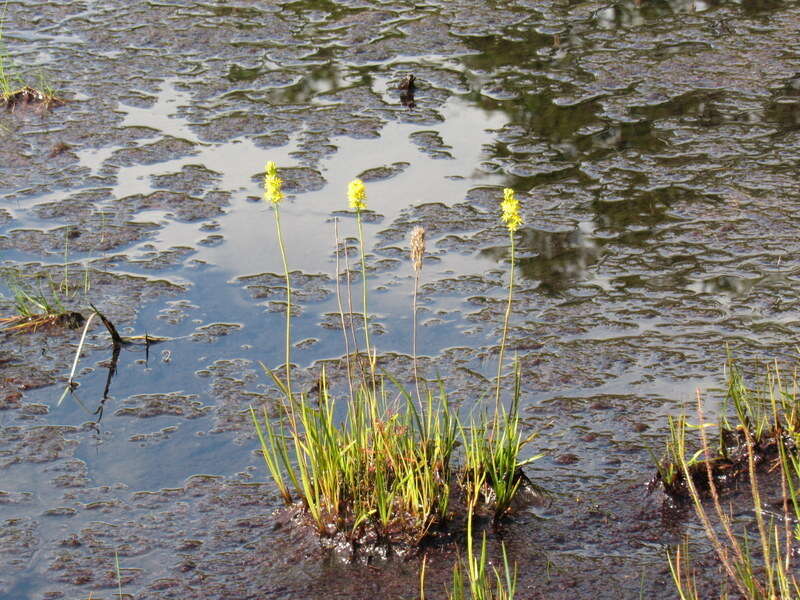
(654,150)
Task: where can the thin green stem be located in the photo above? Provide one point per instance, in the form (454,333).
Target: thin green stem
(505,328)
(288,340)
(119,576)
(364,295)
(5,79)
(341,307)
(65,284)
(414,339)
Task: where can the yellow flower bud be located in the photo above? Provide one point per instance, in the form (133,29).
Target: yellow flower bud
(510,208)
(357,194)
(272,184)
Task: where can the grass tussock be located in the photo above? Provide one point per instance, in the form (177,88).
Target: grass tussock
(379,473)
(759,421)
(761,434)
(37,309)
(380,467)
(492,467)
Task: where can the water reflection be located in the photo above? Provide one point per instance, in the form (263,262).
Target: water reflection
(239,73)
(636,13)
(731,286)
(726,285)
(221,9)
(315,80)
(785,112)
(559,260)
(629,219)
(495,52)
(754,7)
(784,106)
(556,259)
(332,8)
(700,104)
(617,137)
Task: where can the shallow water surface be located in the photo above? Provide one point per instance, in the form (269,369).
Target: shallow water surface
(653,147)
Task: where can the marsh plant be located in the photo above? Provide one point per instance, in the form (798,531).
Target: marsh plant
(381,472)
(763,416)
(273,193)
(379,468)
(38,307)
(7,78)
(764,429)
(472,576)
(492,468)
(511,218)
(417,255)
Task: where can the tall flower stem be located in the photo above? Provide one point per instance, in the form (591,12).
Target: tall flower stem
(357,197)
(505,323)
(417,254)
(364,294)
(511,218)
(339,250)
(273,194)
(288,341)
(414,339)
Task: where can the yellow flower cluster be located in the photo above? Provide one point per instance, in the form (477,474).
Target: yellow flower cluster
(357,194)
(272,184)
(510,207)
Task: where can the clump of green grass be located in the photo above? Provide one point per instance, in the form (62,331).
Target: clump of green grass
(380,469)
(759,414)
(492,469)
(35,309)
(380,472)
(384,470)
(765,431)
(7,77)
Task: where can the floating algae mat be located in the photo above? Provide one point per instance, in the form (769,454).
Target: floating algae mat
(651,146)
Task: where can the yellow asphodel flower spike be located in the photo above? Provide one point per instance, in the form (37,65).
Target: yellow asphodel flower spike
(357,194)
(510,208)
(272,184)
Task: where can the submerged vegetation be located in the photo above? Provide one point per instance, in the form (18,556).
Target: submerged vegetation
(381,469)
(763,433)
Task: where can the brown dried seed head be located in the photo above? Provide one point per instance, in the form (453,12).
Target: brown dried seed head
(417,247)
